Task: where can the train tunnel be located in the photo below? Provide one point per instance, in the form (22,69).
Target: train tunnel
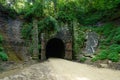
(55,48)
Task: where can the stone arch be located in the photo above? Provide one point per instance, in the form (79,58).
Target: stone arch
(62,37)
(55,48)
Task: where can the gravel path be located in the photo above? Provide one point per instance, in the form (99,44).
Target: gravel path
(59,69)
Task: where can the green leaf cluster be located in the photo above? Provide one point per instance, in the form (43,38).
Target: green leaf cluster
(85,11)
(7,11)
(83,59)
(1,39)
(34,11)
(109,43)
(79,39)
(3,55)
(27,31)
(49,24)
(112,55)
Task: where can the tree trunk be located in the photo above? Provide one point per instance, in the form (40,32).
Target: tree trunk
(35,39)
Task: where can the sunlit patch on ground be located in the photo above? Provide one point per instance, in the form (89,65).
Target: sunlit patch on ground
(82,78)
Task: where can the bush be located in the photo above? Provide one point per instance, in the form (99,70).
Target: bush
(83,59)
(107,54)
(114,57)
(49,24)
(102,47)
(3,56)
(116,37)
(103,55)
(115,48)
(1,49)
(95,59)
(1,38)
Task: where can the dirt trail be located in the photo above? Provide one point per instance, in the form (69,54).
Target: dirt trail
(59,69)
(67,70)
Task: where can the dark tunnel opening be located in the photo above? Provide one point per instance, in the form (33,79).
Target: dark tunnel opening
(55,48)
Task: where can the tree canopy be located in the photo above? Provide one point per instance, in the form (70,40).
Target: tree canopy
(85,11)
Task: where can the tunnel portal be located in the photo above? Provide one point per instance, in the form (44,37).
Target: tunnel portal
(55,48)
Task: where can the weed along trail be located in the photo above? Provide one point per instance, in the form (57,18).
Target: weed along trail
(60,69)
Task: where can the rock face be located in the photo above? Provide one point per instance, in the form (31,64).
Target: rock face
(92,42)
(13,44)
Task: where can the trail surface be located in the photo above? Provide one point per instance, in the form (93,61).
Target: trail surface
(59,69)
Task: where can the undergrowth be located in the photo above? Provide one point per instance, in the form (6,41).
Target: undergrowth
(109,43)
(3,55)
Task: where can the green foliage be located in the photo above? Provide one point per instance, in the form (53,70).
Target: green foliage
(107,29)
(1,49)
(99,11)
(3,56)
(112,53)
(109,45)
(7,11)
(49,24)
(115,48)
(79,38)
(66,12)
(103,47)
(103,55)
(95,59)
(114,57)
(83,59)
(1,39)
(111,30)
(116,37)
(27,31)
(34,11)
(39,46)
(85,11)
